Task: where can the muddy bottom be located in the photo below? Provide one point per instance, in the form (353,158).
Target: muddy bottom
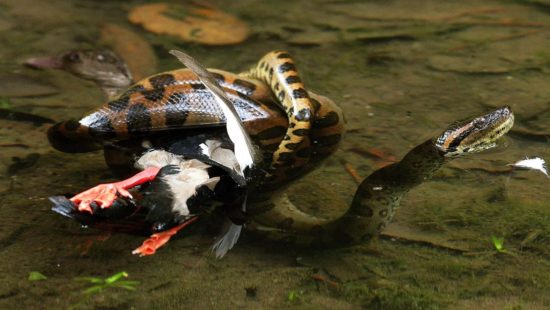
(401,71)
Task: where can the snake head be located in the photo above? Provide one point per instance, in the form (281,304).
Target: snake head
(475,134)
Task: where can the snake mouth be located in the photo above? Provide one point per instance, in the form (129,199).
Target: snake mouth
(475,134)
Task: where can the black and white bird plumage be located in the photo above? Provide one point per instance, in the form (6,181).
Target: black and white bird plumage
(245,155)
(195,171)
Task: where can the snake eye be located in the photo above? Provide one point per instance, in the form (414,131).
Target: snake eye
(73,57)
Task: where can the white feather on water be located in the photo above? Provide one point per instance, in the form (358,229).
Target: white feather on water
(535,163)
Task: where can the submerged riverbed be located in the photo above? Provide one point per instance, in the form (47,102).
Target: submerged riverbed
(400,70)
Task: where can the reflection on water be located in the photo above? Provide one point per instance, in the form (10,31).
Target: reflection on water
(401,71)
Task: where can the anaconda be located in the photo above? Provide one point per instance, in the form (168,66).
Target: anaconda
(294,128)
(377,197)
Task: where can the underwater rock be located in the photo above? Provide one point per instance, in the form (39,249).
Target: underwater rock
(193,23)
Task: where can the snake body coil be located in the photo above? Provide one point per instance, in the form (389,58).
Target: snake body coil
(294,128)
(378,196)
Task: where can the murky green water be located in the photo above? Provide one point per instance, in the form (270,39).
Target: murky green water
(401,71)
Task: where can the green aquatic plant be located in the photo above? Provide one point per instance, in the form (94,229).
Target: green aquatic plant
(294,295)
(36,276)
(5,103)
(498,243)
(115,280)
(100,285)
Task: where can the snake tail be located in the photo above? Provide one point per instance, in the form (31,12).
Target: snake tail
(72,137)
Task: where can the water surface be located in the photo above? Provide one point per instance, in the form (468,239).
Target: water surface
(401,71)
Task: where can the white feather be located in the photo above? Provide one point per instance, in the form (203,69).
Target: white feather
(223,156)
(535,163)
(235,132)
(230,238)
(157,158)
(227,241)
(244,151)
(244,155)
(183,185)
(193,174)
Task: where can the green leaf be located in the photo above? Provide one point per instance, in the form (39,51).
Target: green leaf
(116,277)
(126,286)
(90,279)
(292,296)
(498,243)
(94,289)
(5,103)
(36,276)
(127,283)
(112,281)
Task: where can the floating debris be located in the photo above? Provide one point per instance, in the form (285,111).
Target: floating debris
(194,23)
(535,163)
(354,174)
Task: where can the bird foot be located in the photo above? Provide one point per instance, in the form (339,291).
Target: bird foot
(103,195)
(150,246)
